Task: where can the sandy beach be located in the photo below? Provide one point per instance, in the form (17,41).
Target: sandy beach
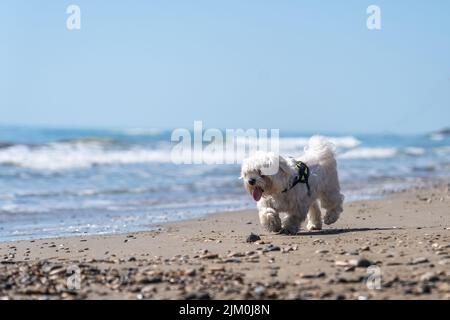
(404,239)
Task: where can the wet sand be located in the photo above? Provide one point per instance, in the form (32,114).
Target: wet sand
(400,243)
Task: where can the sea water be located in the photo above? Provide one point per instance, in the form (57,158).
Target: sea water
(61,182)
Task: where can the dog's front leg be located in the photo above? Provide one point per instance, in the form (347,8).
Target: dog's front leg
(270,219)
(291,224)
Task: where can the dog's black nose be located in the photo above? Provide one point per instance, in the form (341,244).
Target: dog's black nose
(251,181)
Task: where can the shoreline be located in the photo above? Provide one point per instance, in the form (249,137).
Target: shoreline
(406,235)
(154,227)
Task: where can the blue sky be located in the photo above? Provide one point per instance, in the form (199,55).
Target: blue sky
(293,65)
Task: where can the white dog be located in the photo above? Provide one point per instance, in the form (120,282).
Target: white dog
(291,192)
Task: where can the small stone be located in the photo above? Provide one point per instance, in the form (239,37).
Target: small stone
(217,269)
(429,277)
(360,262)
(322,251)
(419,260)
(349,269)
(288,249)
(236,254)
(340,263)
(198,296)
(312,275)
(350,279)
(253,238)
(271,247)
(232,260)
(259,290)
(210,256)
(424,289)
(190,272)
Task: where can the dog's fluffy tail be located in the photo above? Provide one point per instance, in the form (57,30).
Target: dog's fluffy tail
(322,150)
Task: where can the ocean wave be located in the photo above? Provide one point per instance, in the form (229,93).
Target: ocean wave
(369,153)
(298,143)
(414,151)
(381,153)
(95,141)
(66,156)
(87,152)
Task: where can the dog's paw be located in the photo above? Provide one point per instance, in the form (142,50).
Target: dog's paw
(330,217)
(273,223)
(313,226)
(288,230)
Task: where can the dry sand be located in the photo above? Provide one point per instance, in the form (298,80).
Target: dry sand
(405,237)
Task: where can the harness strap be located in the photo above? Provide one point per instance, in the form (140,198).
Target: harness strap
(302,177)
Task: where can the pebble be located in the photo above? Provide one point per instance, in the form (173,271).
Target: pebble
(348,279)
(210,256)
(253,238)
(232,260)
(360,262)
(289,248)
(429,277)
(191,272)
(259,290)
(419,260)
(217,269)
(198,296)
(312,275)
(236,254)
(340,263)
(271,247)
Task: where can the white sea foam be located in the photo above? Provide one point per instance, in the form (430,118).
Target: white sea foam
(297,144)
(85,153)
(64,156)
(414,151)
(369,153)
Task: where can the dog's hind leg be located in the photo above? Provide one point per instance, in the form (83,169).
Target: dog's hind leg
(332,203)
(314,217)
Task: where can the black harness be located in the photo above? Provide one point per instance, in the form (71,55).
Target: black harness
(302,177)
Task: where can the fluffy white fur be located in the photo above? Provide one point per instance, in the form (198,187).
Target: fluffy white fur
(284,212)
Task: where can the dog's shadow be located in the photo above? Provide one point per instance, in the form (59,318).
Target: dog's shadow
(340,231)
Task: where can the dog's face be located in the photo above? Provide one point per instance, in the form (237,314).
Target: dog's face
(264,175)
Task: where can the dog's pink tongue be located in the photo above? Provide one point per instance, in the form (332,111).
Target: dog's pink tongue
(257,194)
